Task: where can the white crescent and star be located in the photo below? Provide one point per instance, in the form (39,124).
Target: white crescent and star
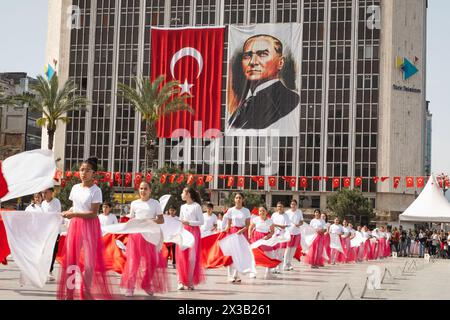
(186,52)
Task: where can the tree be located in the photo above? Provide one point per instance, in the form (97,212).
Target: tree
(251,200)
(175,189)
(63,196)
(54,103)
(348,202)
(153,100)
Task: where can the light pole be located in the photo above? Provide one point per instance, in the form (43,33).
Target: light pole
(123,143)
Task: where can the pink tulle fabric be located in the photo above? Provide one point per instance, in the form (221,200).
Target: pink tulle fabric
(190,273)
(387,249)
(368,254)
(295,241)
(381,248)
(326,244)
(145,266)
(315,251)
(350,254)
(342,256)
(258,236)
(83,272)
(375,247)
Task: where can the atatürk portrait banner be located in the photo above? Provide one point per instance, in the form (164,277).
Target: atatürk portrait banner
(263,80)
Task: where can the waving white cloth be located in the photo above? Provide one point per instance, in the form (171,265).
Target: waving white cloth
(357,240)
(237,247)
(27,173)
(150,230)
(31,239)
(308,234)
(174,232)
(273,241)
(335,242)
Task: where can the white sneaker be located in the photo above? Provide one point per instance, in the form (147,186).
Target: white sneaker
(252,275)
(181,287)
(230,279)
(129,293)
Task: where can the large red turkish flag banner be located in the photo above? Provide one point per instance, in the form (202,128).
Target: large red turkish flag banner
(192,56)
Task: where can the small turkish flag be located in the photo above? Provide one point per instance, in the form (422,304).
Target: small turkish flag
(190,179)
(292,181)
(69,174)
(77,174)
(118,178)
(383,179)
(241,182)
(336,183)
(209,178)
(409,182)
(420,182)
(358,181)
(447,184)
(163,178)
(317,178)
(375,179)
(272,181)
(172,178)
(128,178)
(137,180)
(396,182)
(259,180)
(303,182)
(347,182)
(200,180)
(148,177)
(230,181)
(63,183)
(180,178)
(58,175)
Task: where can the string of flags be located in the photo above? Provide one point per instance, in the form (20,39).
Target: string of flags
(128,179)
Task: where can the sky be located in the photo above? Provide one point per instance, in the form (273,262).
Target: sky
(23,31)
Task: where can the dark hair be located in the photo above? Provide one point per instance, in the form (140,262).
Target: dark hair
(107,203)
(278,46)
(317,210)
(209,205)
(239,193)
(195,196)
(51,189)
(147,183)
(295,201)
(93,162)
(280,202)
(172,207)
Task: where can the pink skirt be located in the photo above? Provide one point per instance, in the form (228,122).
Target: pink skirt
(190,273)
(342,256)
(374,247)
(368,255)
(381,248)
(315,252)
(326,244)
(83,272)
(258,236)
(349,251)
(295,241)
(145,265)
(387,249)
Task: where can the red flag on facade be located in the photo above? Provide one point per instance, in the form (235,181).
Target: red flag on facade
(375,179)
(317,178)
(148,177)
(325,178)
(409,182)
(76,174)
(241,182)
(163,178)
(230,181)
(193,56)
(190,179)
(58,175)
(396,182)
(336,183)
(200,180)
(63,183)
(118,178)
(358,182)
(172,178)
(347,182)
(137,180)
(180,178)
(292,181)
(383,179)
(420,182)
(128,178)
(69,174)
(272,181)
(259,180)
(209,178)
(303,182)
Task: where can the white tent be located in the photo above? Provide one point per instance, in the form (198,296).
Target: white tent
(430,206)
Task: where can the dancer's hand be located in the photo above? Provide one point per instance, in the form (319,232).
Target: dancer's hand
(68,214)
(186,223)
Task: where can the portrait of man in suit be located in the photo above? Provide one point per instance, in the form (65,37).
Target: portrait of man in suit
(265,101)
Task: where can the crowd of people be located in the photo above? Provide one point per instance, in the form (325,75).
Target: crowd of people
(146,267)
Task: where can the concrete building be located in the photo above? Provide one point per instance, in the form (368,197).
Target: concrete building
(361,114)
(18,129)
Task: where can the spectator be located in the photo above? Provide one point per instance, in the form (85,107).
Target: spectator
(395,240)
(422,241)
(448,245)
(409,238)
(403,236)
(435,243)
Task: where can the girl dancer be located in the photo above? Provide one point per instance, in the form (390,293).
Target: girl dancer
(35,205)
(262,228)
(189,268)
(152,276)
(315,252)
(210,221)
(84,246)
(296,219)
(336,231)
(327,239)
(346,243)
(238,221)
(281,222)
(367,255)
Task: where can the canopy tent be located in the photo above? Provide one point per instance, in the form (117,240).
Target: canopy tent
(430,206)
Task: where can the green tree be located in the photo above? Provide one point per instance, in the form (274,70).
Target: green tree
(174,189)
(348,202)
(153,100)
(63,195)
(251,200)
(54,103)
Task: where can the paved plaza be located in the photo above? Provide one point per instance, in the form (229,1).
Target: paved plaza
(403,278)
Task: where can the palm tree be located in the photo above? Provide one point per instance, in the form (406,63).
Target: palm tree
(53,102)
(153,100)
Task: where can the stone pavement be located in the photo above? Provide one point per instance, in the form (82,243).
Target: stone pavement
(405,278)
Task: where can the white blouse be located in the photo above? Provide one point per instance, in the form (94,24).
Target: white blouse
(209,222)
(318,224)
(84,197)
(140,209)
(295,218)
(192,213)
(336,229)
(237,216)
(262,226)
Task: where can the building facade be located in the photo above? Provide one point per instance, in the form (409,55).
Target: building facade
(360,116)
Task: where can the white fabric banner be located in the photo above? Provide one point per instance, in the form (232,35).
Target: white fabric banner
(357,240)
(308,234)
(173,231)
(28,172)
(31,238)
(273,241)
(335,242)
(238,248)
